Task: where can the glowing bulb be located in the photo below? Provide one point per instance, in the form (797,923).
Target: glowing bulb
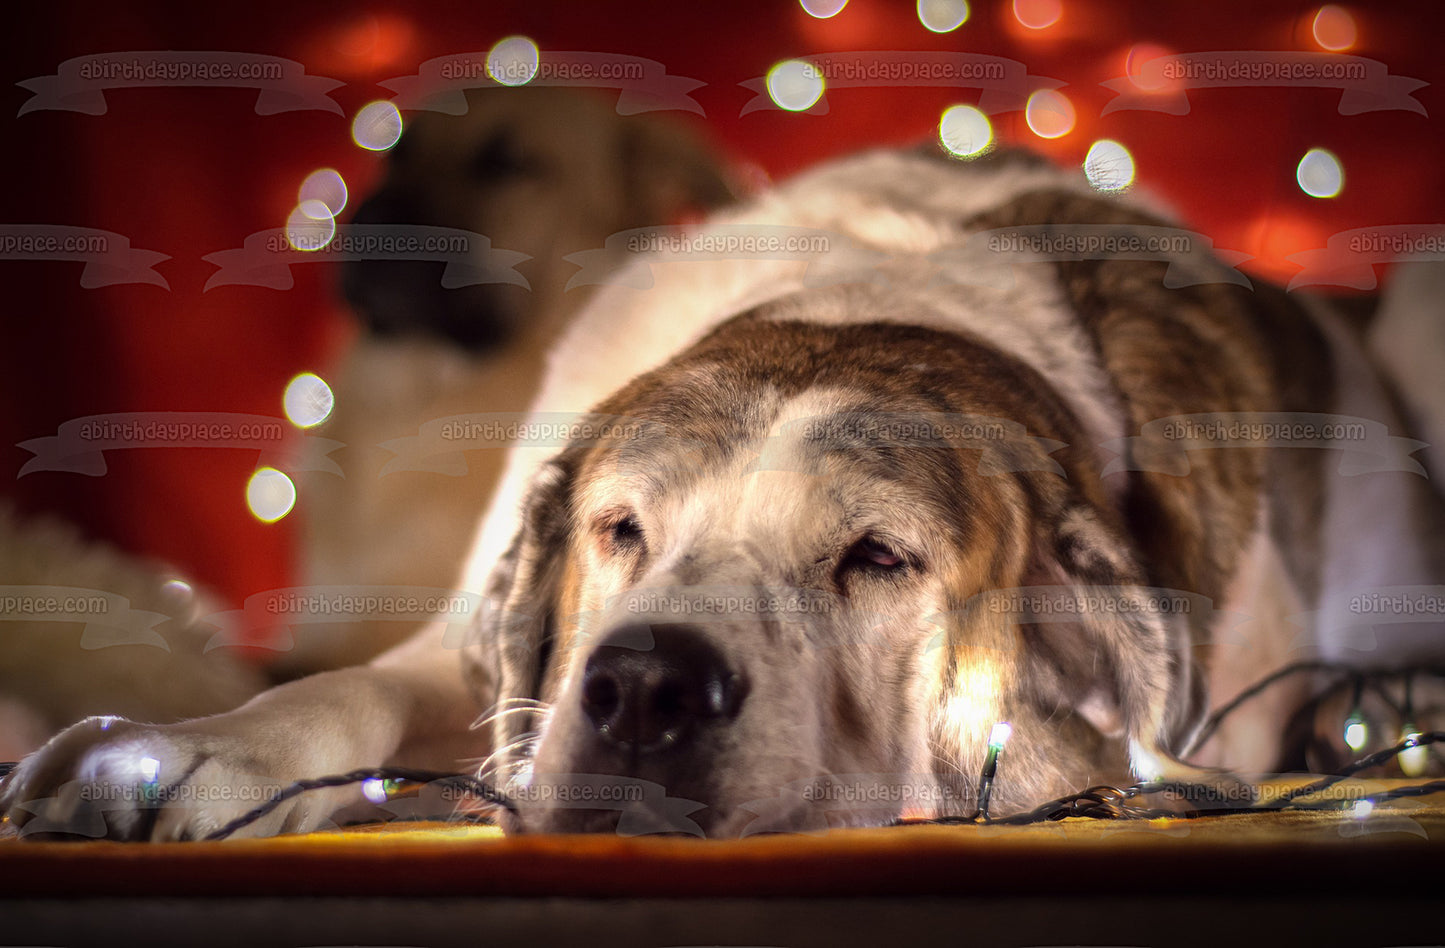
(307,233)
(1134,60)
(942,16)
(1414,761)
(795,85)
(1038,14)
(965,131)
(150,769)
(270,495)
(325,185)
(374,790)
(823,9)
(1000,734)
(308,400)
(1357,734)
(1320,174)
(1109,166)
(1334,28)
(377,126)
(1363,808)
(513,61)
(1049,114)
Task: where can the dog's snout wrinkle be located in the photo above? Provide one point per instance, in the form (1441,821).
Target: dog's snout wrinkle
(643,700)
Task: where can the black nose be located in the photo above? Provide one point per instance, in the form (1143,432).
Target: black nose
(650,688)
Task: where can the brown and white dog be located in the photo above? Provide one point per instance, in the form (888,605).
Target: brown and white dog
(870,465)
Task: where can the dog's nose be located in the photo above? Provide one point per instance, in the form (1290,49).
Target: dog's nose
(645,699)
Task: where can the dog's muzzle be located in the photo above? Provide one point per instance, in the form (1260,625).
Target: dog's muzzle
(650,689)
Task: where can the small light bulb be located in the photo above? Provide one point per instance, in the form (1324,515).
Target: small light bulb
(1363,808)
(1414,761)
(1357,735)
(1000,734)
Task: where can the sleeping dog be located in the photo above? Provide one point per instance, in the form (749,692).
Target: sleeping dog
(904,450)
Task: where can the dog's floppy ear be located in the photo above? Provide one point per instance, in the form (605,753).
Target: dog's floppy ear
(1125,664)
(523,589)
(669,175)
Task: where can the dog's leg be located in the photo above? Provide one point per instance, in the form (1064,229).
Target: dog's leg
(116,778)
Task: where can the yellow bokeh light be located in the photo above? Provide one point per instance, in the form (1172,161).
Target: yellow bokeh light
(1049,114)
(377,126)
(270,495)
(795,85)
(965,131)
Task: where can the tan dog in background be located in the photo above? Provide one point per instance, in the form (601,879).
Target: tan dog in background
(542,171)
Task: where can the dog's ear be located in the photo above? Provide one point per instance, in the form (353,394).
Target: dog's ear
(670,175)
(522,590)
(1123,660)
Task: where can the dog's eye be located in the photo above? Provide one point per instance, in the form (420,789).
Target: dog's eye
(499,157)
(874,555)
(624,533)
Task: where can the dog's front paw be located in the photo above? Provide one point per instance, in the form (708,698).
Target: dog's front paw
(109,778)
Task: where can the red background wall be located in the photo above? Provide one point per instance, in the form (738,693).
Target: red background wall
(186,171)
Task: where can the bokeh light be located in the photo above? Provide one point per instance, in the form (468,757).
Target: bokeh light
(795,85)
(1134,60)
(823,9)
(965,131)
(1038,14)
(270,495)
(1049,114)
(327,186)
(310,227)
(513,61)
(1334,28)
(308,400)
(1109,166)
(1320,174)
(377,126)
(942,16)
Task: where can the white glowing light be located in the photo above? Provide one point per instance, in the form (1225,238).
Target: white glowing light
(377,126)
(1363,808)
(270,495)
(150,769)
(1414,761)
(965,131)
(1357,734)
(327,186)
(1000,734)
(1109,166)
(1334,28)
(1049,114)
(178,588)
(1320,174)
(1038,14)
(374,790)
(307,233)
(106,720)
(513,61)
(316,210)
(308,400)
(795,85)
(823,9)
(942,16)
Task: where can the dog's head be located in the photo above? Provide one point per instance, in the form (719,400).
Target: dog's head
(541,171)
(767,597)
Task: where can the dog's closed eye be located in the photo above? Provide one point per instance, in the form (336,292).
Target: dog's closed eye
(873,556)
(621,532)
